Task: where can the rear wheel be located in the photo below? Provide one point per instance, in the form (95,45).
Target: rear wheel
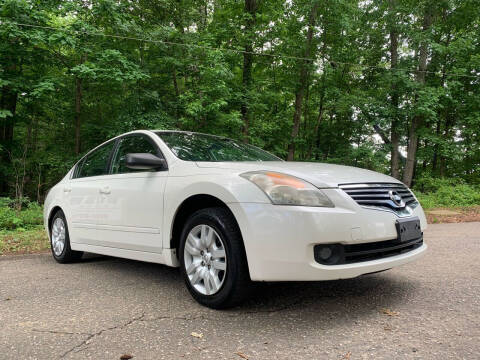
(212,259)
(60,240)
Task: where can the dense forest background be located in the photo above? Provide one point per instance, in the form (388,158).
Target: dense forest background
(388,85)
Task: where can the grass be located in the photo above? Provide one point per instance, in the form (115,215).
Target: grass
(24,241)
(21,231)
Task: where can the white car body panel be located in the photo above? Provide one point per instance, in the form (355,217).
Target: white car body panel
(319,174)
(134,217)
(130,215)
(302,228)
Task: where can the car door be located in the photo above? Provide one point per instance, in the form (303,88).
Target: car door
(82,194)
(131,203)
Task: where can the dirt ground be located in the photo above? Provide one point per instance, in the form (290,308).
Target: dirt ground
(458,215)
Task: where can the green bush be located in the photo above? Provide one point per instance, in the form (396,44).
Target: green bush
(440,192)
(30,216)
(4,202)
(430,185)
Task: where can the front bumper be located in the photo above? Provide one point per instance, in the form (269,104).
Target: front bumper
(280,240)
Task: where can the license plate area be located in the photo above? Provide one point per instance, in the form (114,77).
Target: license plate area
(408,229)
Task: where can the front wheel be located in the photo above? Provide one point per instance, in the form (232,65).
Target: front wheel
(212,258)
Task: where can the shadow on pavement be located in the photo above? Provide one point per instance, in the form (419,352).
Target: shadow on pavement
(325,302)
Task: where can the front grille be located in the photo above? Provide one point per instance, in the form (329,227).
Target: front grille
(349,254)
(387,196)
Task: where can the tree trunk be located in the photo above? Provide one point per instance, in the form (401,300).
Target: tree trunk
(395,153)
(175,83)
(250,9)
(394,135)
(417,119)
(8,101)
(448,135)
(177,92)
(299,94)
(78,110)
(305,118)
(436,147)
(316,132)
(436,150)
(39,182)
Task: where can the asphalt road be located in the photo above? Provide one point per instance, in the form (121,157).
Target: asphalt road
(103,308)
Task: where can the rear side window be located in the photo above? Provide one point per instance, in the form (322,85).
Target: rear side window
(95,163)
(131,144)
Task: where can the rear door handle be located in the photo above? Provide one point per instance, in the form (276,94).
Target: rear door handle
(67,189)
(105,190)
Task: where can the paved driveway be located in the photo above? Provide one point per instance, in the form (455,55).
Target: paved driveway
(103,308)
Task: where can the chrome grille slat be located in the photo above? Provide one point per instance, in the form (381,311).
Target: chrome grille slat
(372,185)
(373,191)
(377,196)
(373,197)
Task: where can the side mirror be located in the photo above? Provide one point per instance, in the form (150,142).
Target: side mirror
(144,161)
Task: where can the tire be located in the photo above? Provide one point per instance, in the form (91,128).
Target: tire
(235,280)
(62,254)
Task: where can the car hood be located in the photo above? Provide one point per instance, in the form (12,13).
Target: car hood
(319,174)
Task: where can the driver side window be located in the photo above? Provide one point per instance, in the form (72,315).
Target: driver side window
(131,144)
(95,163)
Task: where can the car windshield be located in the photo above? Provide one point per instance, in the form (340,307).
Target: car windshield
(202,147)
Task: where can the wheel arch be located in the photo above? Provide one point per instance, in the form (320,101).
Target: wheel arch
(51,214)
(186,208)
(190,205)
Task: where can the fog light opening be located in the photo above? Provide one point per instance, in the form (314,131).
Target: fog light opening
(325,253)
(329,254)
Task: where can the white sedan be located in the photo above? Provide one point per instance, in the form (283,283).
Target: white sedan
(228,213)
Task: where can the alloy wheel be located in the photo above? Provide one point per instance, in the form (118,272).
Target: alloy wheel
(205,259)
(58,236)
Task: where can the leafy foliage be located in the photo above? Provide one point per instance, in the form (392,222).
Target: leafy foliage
(451,196)
(29,217)
(440,192)
(85,71)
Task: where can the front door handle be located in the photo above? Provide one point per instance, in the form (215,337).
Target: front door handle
(67,189)
(105,190)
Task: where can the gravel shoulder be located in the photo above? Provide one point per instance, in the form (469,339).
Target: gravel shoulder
(103,308)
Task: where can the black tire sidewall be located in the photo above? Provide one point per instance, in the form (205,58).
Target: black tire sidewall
(213,218)
(67,254)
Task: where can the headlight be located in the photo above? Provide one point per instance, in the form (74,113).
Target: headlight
(284,189)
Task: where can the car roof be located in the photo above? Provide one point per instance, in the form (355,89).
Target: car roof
(188,132)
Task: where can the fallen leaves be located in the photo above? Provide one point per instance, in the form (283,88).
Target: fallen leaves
(442,215)
(347,355)
(197,335)
(26,242)
(242,355)
(126,357)
(390,312)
